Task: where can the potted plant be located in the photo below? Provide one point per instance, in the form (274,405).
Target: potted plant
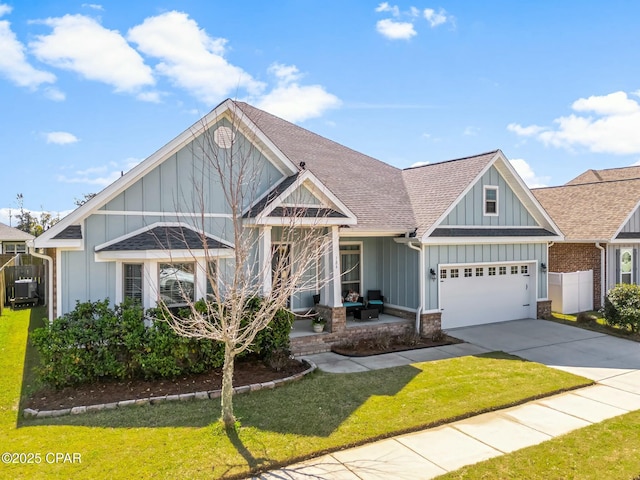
(318,323)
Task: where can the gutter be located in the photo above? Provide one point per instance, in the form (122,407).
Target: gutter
(420,282)
(49,296)
(603,274)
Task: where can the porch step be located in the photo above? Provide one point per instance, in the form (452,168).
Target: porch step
(310,344)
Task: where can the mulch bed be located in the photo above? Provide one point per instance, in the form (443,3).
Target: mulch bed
(364,348)
(247,372)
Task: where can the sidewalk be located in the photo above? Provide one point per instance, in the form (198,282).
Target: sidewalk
(433,452)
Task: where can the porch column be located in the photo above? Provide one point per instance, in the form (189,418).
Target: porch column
(201,278)
(265,259)
(150,286)
(335,295)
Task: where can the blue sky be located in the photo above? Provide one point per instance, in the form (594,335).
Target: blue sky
(90,89)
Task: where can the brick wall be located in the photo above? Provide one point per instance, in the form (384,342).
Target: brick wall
(430,323)
(544,309)
(573,257)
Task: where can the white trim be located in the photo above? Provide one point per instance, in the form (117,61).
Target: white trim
(265,259)
(227,109)
(487,240)
(159,224)
(143,213)
(361,263)
(351,232)
(484,264)
(493,227)
(119,295)
(161,255)
(58,282)
(303,221)
(335,261)
(496,188)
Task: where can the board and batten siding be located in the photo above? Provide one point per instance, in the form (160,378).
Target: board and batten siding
(468,254)
(302,196)
(633,224)
(470,210)
(613,263)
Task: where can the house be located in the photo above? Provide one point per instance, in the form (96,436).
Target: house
(449,244)
(12,241)
(598,213)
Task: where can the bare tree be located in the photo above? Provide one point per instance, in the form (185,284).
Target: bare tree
(273,269)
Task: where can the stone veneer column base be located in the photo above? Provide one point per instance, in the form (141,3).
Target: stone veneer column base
(430,323)
(544,309)
(336,317)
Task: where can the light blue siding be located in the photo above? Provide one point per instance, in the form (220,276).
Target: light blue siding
(469,254)
(633,224)
(302,196)
(470,209)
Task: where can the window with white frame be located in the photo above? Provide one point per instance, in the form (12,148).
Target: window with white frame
(132,281)
(490,200)
(492,271)
(350,267)
(626,265)
(454,273)
(14,248)
(176,282)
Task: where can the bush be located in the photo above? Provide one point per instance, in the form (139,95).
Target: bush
(96,341)
(622,307)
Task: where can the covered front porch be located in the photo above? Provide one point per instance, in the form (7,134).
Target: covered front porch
(304,341)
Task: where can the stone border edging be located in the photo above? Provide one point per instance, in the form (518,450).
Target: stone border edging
(182,397)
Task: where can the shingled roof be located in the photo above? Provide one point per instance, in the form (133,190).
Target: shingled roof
(606,175)
(433,188)
(164,238)
(590,211)
(10,234)
(373,190)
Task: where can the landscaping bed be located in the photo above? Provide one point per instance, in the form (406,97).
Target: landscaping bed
(401,343)
(247,372)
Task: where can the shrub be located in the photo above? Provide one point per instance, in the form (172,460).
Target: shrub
(622,307)
(96,341)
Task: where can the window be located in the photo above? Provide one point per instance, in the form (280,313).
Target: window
(626,265)
(350,266)
(177,283)
(132,281)
(443,273)
(212,276)
(454,273)
(468,272)
(491,200)
(514,270)
(492,271)
(524,269)
(479,272)
(502,270)
(14,248)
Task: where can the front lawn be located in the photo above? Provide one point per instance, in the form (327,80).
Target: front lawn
(600,325)
(609,449)
(321,413)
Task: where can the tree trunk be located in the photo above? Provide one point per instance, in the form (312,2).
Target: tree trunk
(228,419)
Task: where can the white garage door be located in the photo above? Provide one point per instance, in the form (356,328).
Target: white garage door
(473,295)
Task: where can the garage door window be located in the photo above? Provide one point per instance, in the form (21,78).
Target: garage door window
(443,273)
(514,270)
(468,272)
(479,272)
(454,273)
(524,269)
(502,270)
(492,271)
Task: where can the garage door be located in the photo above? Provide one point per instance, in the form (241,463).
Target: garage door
(473,295)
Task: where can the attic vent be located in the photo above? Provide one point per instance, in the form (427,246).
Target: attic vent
(223,136)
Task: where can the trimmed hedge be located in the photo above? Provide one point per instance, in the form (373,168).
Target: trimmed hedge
(96,341)
(622,307)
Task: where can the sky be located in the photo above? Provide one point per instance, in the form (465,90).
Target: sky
(88,90)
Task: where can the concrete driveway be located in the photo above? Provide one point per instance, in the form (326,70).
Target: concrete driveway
(609,360)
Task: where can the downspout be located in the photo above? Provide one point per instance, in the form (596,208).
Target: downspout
(49,297)
(603,274)
(420,283)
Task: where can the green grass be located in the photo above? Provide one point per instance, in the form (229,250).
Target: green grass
(610,449)
(320,413)
(599,326)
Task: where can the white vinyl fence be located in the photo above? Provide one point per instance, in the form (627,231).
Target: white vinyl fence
(571,292)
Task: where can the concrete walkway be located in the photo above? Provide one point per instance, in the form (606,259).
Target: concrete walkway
(614,363)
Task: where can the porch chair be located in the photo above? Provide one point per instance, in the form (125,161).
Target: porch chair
(352,306)
(375,300)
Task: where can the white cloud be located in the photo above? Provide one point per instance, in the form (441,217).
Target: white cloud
(435,18)
(93,6)
(395,30)
(80,44)
(13,61)
(100,176)
(471,131)
(530,131)
(610,125)
(190,58)
(153,97)
(5,9)
(419,164)
(54,94)
(61,138)
(385,7)
(292,101)
(528,175)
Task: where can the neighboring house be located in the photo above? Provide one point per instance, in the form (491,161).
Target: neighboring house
(456,243)
(598,213)
(13,241)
